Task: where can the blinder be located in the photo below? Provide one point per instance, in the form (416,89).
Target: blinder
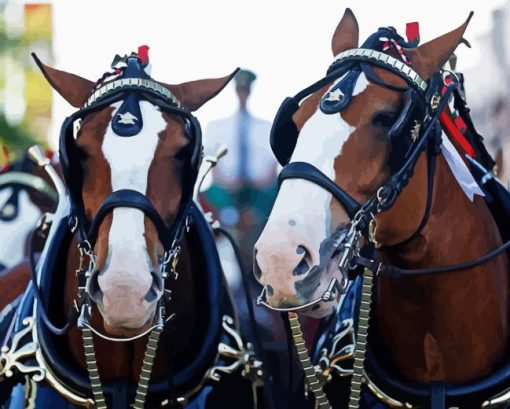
(284,132)
(73,174)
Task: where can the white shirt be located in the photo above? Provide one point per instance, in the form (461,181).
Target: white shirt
(261,166)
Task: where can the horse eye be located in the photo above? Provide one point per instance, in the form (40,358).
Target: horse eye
(384,119)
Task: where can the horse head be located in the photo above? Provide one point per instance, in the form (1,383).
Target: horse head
(144,141)
(356,127)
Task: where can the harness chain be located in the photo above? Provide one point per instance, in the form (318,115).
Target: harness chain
(145,374)
(361,338)
(321,400)
(90,358)
(143,382)
(152,342)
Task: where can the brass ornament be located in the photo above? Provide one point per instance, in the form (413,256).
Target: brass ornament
(341,352)
(240,355)
(11,357)
(435,100)
(415,131)
(335,96)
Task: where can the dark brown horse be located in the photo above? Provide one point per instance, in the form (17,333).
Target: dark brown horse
(450,327)
(139,151)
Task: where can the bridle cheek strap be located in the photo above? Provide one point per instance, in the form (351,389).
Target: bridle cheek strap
(134,200)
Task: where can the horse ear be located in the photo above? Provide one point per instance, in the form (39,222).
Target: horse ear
(430,57)
(194,94)
(73,88)
(346,34)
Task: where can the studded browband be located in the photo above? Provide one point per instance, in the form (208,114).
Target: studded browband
(142,84)
(385,61)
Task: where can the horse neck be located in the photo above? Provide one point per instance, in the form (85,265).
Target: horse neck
(123,360)
(452,326)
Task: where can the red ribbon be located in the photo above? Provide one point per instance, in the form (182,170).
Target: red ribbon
(413,33)
(143,53)
(453,131)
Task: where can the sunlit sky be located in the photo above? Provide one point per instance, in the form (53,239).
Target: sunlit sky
(286,42)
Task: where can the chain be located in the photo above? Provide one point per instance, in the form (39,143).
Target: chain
(148,362)
(314,383)
(90,358)
(361,339)
(170,258)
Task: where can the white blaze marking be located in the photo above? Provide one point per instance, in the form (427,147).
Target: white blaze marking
(129,158)
(13,234)
(320,141)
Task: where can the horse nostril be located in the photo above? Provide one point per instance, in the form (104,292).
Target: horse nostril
(305,264)
(302,268)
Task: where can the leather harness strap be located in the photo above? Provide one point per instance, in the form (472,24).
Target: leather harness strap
(437,395)
(394,272)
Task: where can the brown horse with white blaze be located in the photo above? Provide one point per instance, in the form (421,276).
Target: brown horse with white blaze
(153,304)
(151,162)
(450,327)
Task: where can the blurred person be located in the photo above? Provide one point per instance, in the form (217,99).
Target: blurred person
(244,184)
(241,196)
